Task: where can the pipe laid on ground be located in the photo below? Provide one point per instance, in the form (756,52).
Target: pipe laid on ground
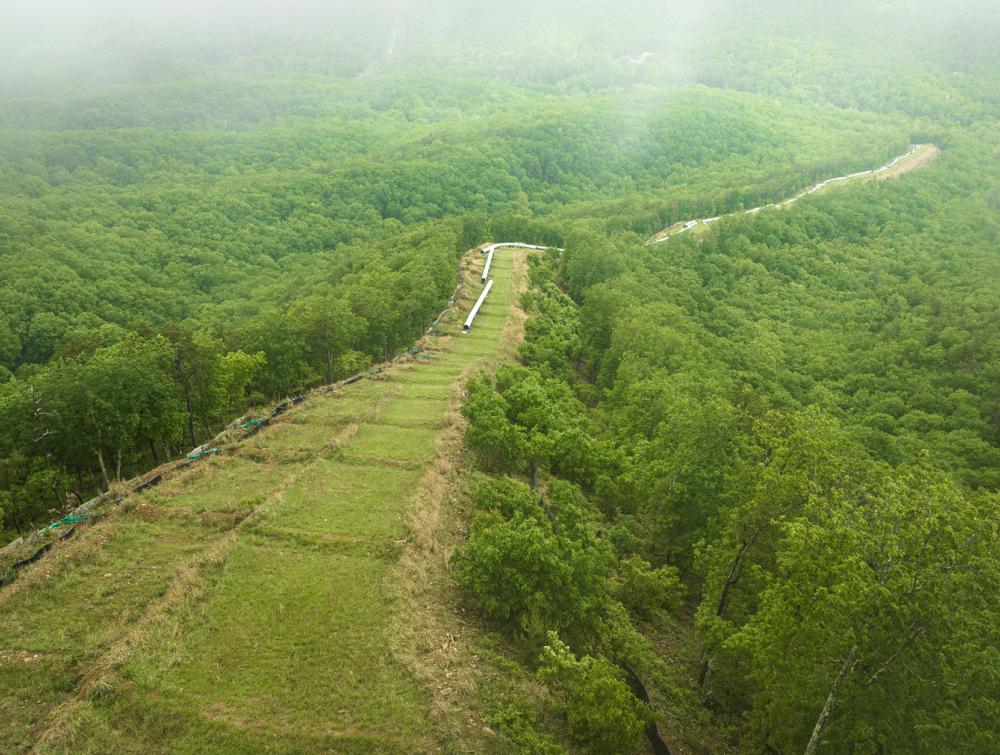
(475,310)
(486,267)
(519,245)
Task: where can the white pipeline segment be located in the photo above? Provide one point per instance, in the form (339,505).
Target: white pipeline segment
(475,309)
(486,267)
(518,245)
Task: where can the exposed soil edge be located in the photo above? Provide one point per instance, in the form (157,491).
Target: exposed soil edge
(429,636)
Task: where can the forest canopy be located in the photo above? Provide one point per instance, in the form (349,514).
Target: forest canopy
(774,438)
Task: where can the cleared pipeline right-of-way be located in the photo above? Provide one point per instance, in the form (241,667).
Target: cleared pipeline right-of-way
(475,310)
(683,226)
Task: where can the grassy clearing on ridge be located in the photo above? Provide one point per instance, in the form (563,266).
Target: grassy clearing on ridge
(247,604)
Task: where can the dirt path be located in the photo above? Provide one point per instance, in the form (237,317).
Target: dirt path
(923,155)
(917,156)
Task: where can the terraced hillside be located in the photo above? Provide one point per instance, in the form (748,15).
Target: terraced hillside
(248,603)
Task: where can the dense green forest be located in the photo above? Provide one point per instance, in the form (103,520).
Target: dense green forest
(788,427)
(774,445)
(213,223)
(795,419)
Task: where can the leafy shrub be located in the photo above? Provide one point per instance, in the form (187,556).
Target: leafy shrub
(520,726)
(507,497)
(523,569)
(644,589)
(490,434)
(622,536)
(603,714)
(518,567)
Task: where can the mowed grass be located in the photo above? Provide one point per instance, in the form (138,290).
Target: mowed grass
(75,606)
(219,484)
(346,501)
(277,642)
(343,408)
(389,443)
(407,412)
(279,645)
(441,372)
(415,389)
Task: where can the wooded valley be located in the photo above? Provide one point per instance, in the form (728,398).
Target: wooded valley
(736,491)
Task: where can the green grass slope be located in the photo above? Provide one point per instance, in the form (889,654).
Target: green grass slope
(246,604)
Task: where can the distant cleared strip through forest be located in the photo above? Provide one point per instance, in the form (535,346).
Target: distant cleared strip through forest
(916,156)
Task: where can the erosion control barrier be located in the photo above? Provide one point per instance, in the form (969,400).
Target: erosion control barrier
(255,429)
(151,483)
(8,573)
(475,310)
(451,303)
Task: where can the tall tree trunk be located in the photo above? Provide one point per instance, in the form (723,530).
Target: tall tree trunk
(731,579)
(845,668)
(104,469)
(190,411)
(703,675)
(329,366)
(118,464)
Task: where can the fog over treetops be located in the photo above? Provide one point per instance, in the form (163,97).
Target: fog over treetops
(85,41)
(531,376)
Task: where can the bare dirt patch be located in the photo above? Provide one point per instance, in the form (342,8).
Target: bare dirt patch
(918,159)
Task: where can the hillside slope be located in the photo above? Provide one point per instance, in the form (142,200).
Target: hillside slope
(248,603)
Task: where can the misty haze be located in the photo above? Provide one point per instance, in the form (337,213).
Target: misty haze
(426,376)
